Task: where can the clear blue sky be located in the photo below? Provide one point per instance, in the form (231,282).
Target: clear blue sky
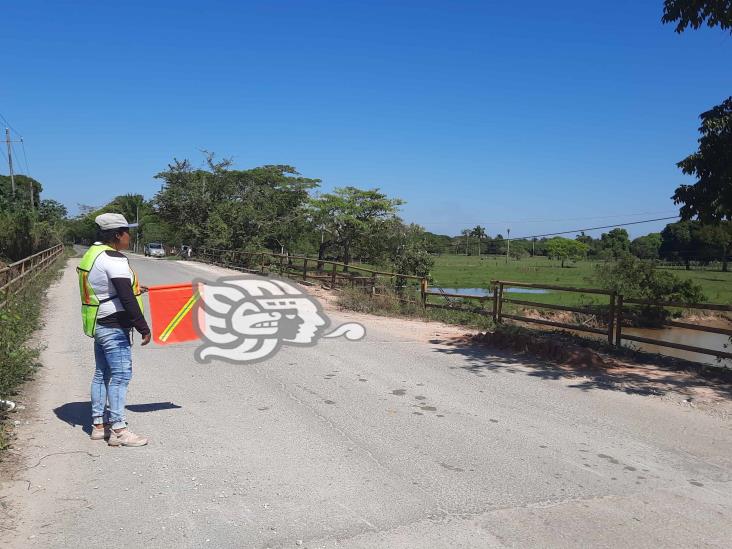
(493,113)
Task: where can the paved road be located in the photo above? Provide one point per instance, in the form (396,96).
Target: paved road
(388,442)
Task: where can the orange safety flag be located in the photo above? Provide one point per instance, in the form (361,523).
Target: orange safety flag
(172,311)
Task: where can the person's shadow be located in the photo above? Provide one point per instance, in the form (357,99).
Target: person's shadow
(79,413)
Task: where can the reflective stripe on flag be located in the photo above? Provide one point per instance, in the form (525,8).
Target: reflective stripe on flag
(171,310)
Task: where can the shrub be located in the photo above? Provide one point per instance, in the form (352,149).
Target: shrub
(640,279)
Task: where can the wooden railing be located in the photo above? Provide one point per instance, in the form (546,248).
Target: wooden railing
(14,276)
(610,317)
(333,273)
(607,318)
(619,336)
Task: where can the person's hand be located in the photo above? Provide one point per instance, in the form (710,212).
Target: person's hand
(144,289)
(146,338)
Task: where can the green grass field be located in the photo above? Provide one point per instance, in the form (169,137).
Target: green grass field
(459,271)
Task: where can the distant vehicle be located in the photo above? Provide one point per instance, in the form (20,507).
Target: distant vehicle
(154,249)
(185,251)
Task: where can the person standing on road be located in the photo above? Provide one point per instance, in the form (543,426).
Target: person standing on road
(111,306)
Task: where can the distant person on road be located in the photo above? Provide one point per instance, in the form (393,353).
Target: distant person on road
(111,308)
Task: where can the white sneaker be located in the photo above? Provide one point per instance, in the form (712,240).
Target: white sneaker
(126,438)
(100,434)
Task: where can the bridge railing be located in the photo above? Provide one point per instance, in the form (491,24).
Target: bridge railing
(15,275)
(604,319)
(331,273)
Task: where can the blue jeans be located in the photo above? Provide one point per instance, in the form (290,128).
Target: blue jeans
(113,356)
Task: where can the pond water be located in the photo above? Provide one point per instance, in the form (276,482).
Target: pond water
(672,335)
(685,337)
(480,292)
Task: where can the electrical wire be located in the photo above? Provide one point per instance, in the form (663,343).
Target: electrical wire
(17,160)
(5,120)
(25,158)
(594,228)
(519,221)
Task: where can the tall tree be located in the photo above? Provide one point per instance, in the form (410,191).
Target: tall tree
(566,249)
(221,207)
(614,244)
(694,13)
(466,238)
(710,198)
(479,233)
(351,218)
(646,247)
(676,242)
(52,211)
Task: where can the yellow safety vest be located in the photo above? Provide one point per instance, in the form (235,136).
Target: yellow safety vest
(89,301)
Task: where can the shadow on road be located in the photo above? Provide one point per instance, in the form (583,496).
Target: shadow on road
(590,370)
(79,413)
(152,407)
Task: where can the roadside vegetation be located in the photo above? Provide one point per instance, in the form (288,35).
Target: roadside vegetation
(28,226)
(19,353)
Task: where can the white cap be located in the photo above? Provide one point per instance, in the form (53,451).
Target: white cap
(111,221)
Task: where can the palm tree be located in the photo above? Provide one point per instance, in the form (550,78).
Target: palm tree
(466,233)
(479,233)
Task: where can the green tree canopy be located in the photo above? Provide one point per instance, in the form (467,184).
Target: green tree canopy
(614,244)
(694,13)
(565,249)
(351,218)
(52,211)
(688,241)
(646,247)
(242,209)
(710,198)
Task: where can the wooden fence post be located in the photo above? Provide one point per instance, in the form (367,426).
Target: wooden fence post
(619,321)
(262,263)
(500,302)
(611,319)
(373,283)
(305,269)
(333,276)
(423,291)
(494,288)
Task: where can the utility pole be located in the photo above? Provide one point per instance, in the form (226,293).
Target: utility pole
(10,160)
(30,181)
(137,229)
(508,243)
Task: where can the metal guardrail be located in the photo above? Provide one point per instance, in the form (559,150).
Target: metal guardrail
(14,276)
(336,274)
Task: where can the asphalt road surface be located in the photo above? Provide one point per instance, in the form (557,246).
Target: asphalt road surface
(390,442)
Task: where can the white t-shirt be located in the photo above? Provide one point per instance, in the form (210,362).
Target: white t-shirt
(108,265)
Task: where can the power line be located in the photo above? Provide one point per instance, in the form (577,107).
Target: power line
(25,158)
(15,156)
(5,120)
(519,221)
(596,228)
